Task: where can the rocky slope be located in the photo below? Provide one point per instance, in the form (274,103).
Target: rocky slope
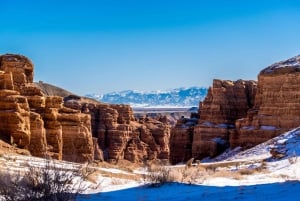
(181,97)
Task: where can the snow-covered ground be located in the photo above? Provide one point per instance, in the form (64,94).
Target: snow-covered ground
(184,192)
(254,174)
(271,179)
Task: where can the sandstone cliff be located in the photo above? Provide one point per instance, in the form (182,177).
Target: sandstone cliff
(51,122)
(120,135)
(31,120)
(277,105)
(55,123)
(182,139)
(226,102)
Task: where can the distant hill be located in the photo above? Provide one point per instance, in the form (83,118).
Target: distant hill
(51,90)
(180,97)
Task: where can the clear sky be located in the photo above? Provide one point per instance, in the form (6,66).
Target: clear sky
(101,46)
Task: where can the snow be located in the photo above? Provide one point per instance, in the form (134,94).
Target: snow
(248,127)
(280,180)
(219,140)
(182,192)
(114,170)
(269,178)
(207,124)
(178,98)
(293,62)
(272,128)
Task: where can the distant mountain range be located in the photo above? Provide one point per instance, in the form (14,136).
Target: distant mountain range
(180,97)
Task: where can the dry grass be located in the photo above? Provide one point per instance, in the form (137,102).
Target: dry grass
(228,174)
(119,175)
(247,171)
(158,173)
(124,165)
(202,172)
(93,178)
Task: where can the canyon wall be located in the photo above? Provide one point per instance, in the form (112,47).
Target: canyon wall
(72,128)
(226,102)
(120,135)
(182,140)
(277,105)
(242,113)
(30,120)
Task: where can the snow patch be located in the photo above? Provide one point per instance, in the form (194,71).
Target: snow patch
(269,128)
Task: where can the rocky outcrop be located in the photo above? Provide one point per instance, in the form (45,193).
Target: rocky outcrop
(226,102)
(277,105)
(14,118)
(41,124)
(73,128)
(51,122)
(19,68)
(182,139)
(120,135)
(242,113)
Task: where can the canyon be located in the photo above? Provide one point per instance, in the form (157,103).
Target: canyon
(58,124)
(72,128)
(241,113)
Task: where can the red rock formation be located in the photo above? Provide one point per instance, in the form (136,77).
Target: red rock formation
(226,102)
(14,119)
(20,68)
(277,106)
(120,136)
(71,129)
(39,123)
(181,140)
(38,140)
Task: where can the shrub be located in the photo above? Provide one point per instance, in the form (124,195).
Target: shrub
(49,182)
(157,176)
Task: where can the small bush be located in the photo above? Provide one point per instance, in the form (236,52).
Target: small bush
(158,175)
(247,171)
(293,159)
(48,182)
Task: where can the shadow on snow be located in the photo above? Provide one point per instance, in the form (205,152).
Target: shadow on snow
(183,192)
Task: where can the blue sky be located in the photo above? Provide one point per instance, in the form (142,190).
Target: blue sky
(101,46)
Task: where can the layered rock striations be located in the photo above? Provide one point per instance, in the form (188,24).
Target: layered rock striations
(226,102)
(73,128)
(39,123)
(120,135)
(182,140)
(242,113)
(277,105)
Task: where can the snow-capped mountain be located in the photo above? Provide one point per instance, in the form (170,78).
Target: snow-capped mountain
(180,97)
